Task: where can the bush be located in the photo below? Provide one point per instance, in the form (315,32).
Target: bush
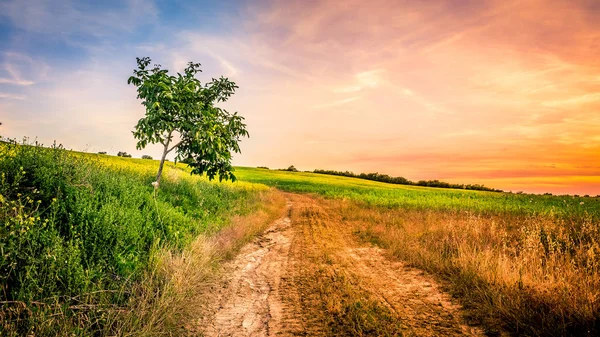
(292,168)
(123,154)
(146,157)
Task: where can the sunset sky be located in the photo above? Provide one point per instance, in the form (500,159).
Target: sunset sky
(503,93)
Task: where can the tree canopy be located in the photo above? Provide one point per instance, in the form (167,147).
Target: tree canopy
(182,115)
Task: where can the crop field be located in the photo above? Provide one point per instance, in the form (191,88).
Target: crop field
(527,264)
(416,197)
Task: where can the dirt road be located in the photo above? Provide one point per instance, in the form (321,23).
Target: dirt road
(307,275)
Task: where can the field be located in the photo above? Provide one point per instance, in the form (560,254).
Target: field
(415,197)
(527,264)
(89,247)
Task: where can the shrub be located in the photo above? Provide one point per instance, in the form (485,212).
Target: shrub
(292,168)
(146,157)
(123,154)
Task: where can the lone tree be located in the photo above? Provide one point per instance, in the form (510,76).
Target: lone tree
(180,106)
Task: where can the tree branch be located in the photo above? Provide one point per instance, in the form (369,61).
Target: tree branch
(174,146)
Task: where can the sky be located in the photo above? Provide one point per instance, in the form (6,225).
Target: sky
(502,93)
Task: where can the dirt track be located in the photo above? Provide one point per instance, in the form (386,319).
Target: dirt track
(307,275)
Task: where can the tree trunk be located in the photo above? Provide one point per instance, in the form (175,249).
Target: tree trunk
(162,162)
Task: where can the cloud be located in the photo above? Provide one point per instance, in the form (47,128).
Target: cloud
(15,81)
(349,89)
(21,70)
(574,101)
(11,96)
(230,69)
(370,79)
(336,103)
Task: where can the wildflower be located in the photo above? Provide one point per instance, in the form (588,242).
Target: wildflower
(581,203)
(155,184)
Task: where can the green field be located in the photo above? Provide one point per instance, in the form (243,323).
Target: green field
(416,197)
(80,230)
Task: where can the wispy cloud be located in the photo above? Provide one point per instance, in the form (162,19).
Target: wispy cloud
(15,81)
(11,96)
(574,101)
(336,103)
(20,69)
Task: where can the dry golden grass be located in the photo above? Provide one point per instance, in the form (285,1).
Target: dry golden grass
(530,275)
(333,299)
(170,296)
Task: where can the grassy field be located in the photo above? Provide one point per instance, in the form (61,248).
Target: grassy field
(88,246)
(416,197)
(528,264)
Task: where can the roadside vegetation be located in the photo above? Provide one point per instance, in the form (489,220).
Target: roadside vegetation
(89,247)
(527,264)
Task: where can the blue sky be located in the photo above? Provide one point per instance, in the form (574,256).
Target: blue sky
(500,92)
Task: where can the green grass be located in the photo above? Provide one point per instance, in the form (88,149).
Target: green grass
(78,230)
(416,197)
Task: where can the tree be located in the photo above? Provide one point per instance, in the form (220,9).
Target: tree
(181,114)
(146,157)
(123,154)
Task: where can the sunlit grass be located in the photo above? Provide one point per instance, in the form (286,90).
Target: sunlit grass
(390,195)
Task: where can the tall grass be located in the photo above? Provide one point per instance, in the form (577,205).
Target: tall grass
(529,275)
(79,232)
(528,264)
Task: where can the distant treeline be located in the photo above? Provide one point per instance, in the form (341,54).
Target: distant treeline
(403,181)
